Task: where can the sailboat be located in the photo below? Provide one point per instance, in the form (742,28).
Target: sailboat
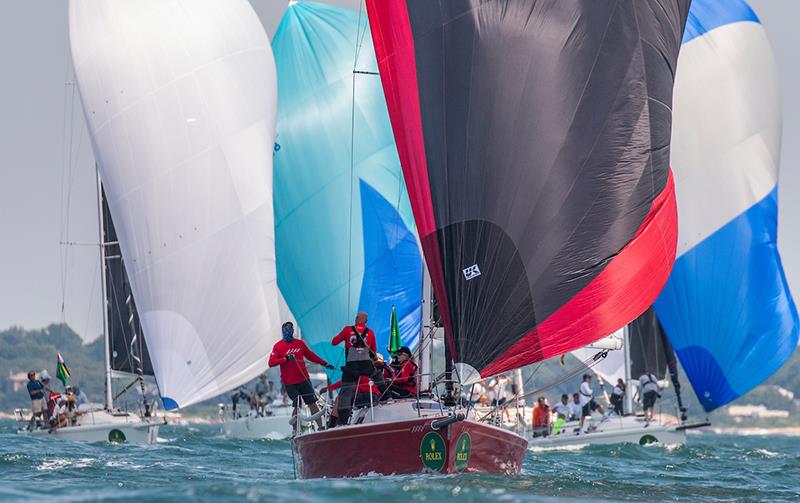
(179,97)
(537,170)
(642,346)
(126,357)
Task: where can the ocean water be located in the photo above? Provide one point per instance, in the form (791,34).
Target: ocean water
(196,464)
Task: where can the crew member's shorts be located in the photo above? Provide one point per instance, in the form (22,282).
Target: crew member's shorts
(588,408)
(38,406)
(649,399)
(301,389)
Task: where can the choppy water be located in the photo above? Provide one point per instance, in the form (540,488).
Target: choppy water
(199,464)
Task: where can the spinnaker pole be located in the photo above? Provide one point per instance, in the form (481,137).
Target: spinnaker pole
(104,290)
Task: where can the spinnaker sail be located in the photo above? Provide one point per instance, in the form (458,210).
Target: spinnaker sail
(345,235)
(534,138)
(180,100)
(727,307)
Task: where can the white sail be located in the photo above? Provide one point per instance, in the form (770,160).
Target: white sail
(610,368)
(180,100)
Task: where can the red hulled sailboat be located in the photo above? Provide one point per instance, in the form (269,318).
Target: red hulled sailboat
(534,139)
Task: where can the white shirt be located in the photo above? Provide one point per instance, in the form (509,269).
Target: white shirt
(617,391)
(498,389)
(477,391)
(586,393)
(648,383)
(562,409)
(576,409)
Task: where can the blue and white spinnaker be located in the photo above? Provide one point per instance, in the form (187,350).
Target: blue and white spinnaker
(727,307)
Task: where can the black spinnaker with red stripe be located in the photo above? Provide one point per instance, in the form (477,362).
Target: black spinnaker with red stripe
(534,137)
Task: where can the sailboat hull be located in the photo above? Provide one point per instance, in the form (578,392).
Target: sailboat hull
(406,447)
(100,426)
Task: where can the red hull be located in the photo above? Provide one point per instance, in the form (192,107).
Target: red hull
(409,446)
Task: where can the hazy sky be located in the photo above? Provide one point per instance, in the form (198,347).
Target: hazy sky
(47,180)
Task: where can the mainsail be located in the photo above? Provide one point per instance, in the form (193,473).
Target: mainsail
(180,100)
(727,307)
(650,348)
(128,350)
(534,138)
(345,236)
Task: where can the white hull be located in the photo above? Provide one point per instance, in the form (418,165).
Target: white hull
(273,427)
(101,426)
(614,430)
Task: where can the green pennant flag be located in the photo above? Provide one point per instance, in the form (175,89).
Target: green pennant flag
(62,372)
(394,334)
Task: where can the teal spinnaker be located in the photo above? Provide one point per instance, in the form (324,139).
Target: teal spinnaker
(344,230)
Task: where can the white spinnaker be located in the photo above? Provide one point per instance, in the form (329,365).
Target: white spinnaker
(610,368)
(180,100)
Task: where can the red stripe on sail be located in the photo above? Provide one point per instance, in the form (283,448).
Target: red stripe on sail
(627,286)
(394,50)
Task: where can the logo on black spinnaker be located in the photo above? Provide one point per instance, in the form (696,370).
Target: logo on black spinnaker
(472,272)
(116,436)
(647,439)
(432,451)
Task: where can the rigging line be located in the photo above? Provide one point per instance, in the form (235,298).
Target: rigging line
(91,295)
(581,367)
(352,170)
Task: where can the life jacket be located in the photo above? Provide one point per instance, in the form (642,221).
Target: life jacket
(359,359)
(409,383)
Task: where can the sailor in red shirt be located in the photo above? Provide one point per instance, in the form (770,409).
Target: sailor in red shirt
(360,355)
(350,337)
(290,354)
(404,382)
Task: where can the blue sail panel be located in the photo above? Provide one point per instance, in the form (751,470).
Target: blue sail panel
(706,15)
(393,272)
(727,308)
(329,137)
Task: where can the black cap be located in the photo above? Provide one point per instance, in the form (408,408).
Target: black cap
(586,375)
(404,349)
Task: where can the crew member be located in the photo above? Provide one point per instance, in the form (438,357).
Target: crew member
(361,353)
(587,400)
(541,418)
(562,408)
(261,393)
(617,397)
(36,393)
(290,354)
(575,406)
(404,383)
(80,396)
(649,388)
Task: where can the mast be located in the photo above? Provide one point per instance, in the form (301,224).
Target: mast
(628,384)
(104,289)
(426,335)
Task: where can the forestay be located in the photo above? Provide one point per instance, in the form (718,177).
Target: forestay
(534,137)
(180,98)
(727,307)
